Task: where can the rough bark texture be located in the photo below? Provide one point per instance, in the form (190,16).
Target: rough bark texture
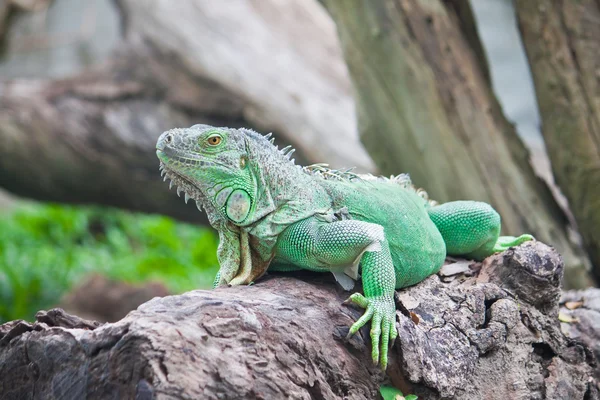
(490,332)
(425,107)
(580,315)
(90,138)
(562,42)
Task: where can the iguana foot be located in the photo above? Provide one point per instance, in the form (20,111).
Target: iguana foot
(504,242)
(381,311)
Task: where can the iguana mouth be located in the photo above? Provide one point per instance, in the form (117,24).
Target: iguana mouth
(189,189)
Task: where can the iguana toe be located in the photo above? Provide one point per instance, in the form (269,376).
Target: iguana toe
(504,242)
(381,311)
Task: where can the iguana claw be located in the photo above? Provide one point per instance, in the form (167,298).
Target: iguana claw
(381,311)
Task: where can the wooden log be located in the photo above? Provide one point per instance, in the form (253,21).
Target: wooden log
(490,332)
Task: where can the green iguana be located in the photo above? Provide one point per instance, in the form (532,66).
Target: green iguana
(272,214)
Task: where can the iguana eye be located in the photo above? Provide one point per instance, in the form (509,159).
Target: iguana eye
(214,140)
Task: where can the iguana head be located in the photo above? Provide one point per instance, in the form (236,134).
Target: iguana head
(223,169)
(242,179)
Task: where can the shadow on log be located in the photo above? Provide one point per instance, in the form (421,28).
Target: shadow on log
(476,331)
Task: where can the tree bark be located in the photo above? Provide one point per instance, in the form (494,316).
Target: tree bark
(562,43)
(90,138)
(468,26)
(425,107)
(477,331)
(580,312)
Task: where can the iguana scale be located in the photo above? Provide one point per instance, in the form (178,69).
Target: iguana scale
(273,214)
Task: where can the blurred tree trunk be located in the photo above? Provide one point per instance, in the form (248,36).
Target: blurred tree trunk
(425,107)
(562,41)
(90,138)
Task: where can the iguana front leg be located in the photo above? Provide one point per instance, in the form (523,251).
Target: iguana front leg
(378,285)
(318,245)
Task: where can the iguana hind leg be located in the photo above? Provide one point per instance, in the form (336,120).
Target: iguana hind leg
(472,229)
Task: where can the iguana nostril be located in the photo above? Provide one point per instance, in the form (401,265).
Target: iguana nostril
(164,140)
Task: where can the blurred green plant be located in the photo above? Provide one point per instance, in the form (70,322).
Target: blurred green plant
(46,249)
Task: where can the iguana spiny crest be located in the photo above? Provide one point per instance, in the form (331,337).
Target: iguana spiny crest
(233,172)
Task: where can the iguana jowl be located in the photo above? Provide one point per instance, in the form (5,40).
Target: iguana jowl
(272,214)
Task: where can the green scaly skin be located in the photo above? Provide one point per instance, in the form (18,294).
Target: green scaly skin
(273,214)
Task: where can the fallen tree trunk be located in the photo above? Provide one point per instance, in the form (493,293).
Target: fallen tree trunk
(488,334)
(91,138)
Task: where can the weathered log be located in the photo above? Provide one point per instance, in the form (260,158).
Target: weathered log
(425,107)
(490,332)
(90,138)
(561,39)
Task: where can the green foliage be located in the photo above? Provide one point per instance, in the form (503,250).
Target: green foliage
(46,249)
(391,393)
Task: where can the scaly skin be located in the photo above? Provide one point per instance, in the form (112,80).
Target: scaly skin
(273,214)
